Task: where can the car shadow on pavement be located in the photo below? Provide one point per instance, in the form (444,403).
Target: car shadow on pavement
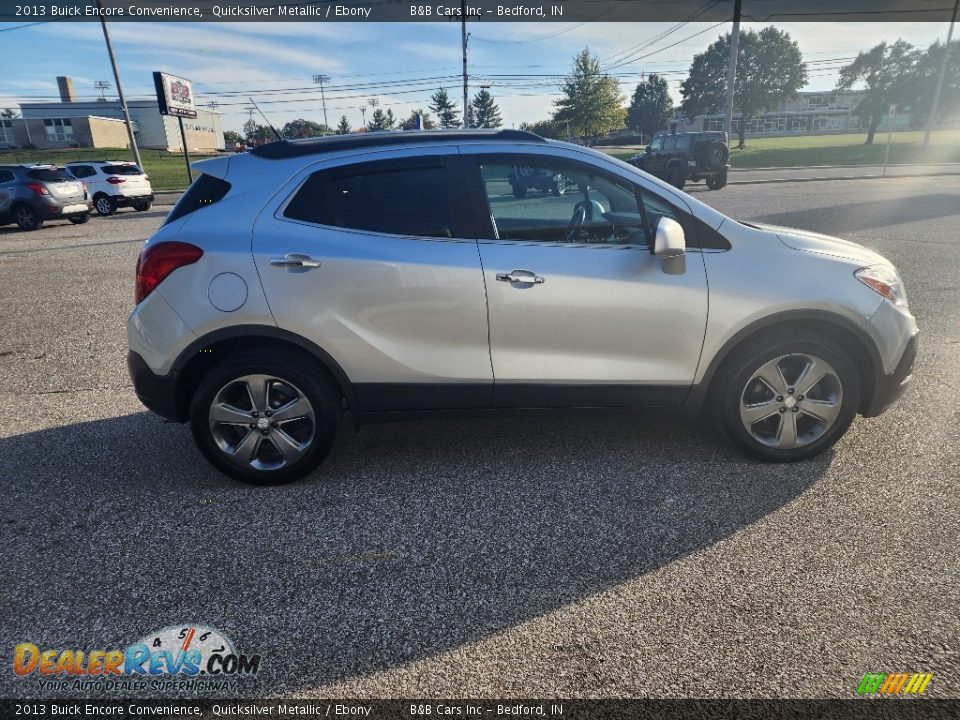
(848,217)
(410,540)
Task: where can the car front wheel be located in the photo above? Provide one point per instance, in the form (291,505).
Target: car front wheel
(263,420)
(789,399)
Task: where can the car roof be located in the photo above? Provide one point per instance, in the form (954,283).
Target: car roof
(283,149)
(101,162)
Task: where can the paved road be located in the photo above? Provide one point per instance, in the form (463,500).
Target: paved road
(580,557)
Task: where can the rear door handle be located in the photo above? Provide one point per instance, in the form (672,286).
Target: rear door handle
(521,276)
(295,260)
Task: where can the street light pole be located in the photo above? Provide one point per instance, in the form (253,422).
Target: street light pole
(732,70)
(943,73)
(116,76)
(320,80)
(463,43)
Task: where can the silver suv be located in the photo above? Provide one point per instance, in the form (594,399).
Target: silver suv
(397,273)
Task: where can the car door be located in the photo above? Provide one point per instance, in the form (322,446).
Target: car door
(581,313)
(368,261)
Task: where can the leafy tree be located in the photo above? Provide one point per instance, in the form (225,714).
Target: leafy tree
(8,113)
(445,109)
(231,138)
(770,71)
(651,107)
(591,102)
(301,128)
(471,115)
(419,119)
(256,134)
(381,120)
(344,127)
(889,72)
(486,112)
(927,74)
(546,128)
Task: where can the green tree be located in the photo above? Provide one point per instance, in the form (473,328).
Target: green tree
(889,74)
(301,128)
(591,102)
(486,112)
(770,71)
(445,109)
(927,74)
(8,113)
(418,119)
(381,120)
(231,138)
(545,128)
(651,107)
(256,134)
(344,127)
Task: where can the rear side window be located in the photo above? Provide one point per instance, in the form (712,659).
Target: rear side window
(205,190)
(81,171)
(47,175)
(395,199)
(122,170)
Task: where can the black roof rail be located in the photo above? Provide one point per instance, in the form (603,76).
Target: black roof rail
(283,149)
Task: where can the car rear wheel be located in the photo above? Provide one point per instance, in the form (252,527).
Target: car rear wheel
(262,420)
(142,206)
(715,182)
(519,190)
(788,399)
(27,218)
(104,205)
(559,186)
(677,177)
(80,219)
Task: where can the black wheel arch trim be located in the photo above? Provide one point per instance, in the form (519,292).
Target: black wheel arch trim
(271,333)
(700,391)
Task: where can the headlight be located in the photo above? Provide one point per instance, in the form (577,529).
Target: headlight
(883,279)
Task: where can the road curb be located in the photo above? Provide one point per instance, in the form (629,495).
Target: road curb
(762,181)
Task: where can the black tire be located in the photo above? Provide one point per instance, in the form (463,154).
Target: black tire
(104,205)
(715,182)
(713,155)
(731,389)
(559,186)
(677,177)
(287,371)
(27,218)
(142,206)
(80,219)
(519,190)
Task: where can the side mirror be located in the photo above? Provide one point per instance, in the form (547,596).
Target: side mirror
(648,150)
(670,245)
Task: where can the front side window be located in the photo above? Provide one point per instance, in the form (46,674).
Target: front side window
(398,199)
(656,143)
(543,201)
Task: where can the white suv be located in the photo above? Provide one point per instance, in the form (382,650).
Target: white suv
(114,184)
(395,274)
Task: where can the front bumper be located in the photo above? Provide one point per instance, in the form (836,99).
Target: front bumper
(156,392)
(888,388)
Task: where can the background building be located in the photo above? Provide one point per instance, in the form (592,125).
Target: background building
(97,123)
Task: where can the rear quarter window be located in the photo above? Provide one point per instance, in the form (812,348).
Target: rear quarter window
(206,190)
(47,175)
(122,170)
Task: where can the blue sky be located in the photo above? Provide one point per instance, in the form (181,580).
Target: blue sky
(398,63)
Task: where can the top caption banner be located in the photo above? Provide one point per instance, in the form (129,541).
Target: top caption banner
(562,11)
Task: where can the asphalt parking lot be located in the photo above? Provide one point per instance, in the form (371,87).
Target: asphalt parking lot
(576,557)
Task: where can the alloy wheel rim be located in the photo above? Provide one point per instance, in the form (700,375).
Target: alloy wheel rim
(103,205)
(262,422)
(24,217)
(791,401)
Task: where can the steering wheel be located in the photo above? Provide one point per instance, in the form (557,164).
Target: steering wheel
(576,222)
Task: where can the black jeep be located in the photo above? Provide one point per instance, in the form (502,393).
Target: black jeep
(692,156)
(523,178)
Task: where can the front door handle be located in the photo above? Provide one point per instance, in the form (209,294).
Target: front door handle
(521,276)
(295,260)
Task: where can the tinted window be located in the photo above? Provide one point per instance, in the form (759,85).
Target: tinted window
(544,201)
(5,176)
(683,143)
(400,200)
(670,144)
(205,190)
(47,175)
(122,170)
(81,171)
(656,143)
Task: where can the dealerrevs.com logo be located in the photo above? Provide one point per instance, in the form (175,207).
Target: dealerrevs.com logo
(187,657)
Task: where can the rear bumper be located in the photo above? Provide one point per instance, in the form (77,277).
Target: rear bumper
(889,388)
(128,200)
(55,211)
(156,392)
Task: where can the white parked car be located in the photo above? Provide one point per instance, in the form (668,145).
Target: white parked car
(114,184)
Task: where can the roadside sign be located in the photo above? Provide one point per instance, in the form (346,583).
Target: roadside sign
(174,95)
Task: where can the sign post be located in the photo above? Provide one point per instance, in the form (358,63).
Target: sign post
(175,97)
(891,118)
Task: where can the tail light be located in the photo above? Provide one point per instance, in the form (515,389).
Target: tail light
(113,180)
(158,261)
(146,177)
(38,188)
(86,190)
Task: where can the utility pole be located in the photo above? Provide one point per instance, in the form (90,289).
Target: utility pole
(732,70)
(943,73)
(463,42)
(116,76)
(320,80)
